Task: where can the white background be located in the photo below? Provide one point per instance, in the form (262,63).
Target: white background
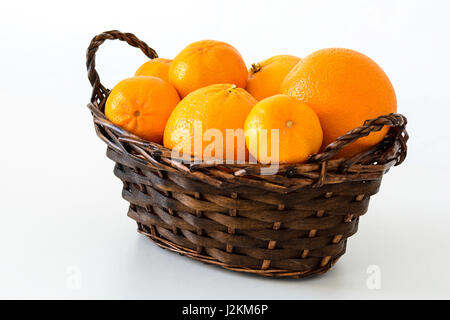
(61,210)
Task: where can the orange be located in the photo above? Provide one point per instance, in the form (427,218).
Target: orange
(265,77)
(142,106)
(158,67)
(204,63)
(199,123)
(298,127)
(345,88)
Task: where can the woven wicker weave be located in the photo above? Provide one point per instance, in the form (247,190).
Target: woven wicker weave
(293,224)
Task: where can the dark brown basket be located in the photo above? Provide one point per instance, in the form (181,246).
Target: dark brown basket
(291,224)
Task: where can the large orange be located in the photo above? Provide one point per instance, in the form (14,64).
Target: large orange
(265,77)
(207,62)
(142,106)
(209,112)
(299,130)
(345,88)
(158,67)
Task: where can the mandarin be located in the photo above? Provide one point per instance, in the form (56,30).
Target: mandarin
(142,106)
(207,62)
(265,77)
(158,67)
(208,112)
(299,130)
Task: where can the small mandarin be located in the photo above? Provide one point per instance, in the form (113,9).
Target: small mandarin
(204,63)
(142,106)
(208,111)
(265,77)
(158,67)
(299,130)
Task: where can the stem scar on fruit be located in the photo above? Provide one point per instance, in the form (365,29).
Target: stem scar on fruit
(232,88)
(137,113)
(289,123)
(255,67)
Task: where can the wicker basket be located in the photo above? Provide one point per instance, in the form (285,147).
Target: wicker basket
(292,224)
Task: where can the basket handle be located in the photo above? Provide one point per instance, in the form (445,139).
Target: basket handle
(396,121)
(97,88)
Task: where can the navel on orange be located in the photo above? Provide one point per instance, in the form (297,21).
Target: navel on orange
(142,106)
(345,88)
(296,125)
(204,63)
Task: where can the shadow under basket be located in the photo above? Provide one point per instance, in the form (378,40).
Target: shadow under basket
(294,223)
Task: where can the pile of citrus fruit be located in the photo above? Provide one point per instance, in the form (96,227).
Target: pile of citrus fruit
(286,105)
